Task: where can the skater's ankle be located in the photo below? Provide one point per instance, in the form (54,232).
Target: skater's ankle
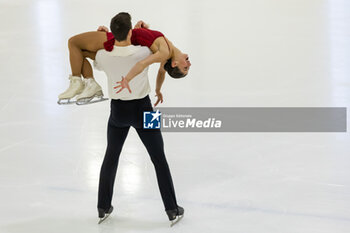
(76,75)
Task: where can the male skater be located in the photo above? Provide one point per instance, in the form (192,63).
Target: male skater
(127,110)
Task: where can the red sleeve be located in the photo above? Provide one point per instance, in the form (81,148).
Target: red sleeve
(108,45)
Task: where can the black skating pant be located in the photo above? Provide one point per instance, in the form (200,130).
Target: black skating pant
(123,115)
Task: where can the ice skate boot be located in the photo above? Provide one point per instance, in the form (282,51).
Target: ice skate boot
(92,93)
(175,215)
(76,86)
(103,214)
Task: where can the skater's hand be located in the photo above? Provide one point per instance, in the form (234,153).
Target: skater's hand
(141,24)
(160,98)
(123,84)
(102,29)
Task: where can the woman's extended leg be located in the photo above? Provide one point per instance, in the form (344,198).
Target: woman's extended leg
(89,41)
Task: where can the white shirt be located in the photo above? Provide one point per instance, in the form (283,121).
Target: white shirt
(118,63)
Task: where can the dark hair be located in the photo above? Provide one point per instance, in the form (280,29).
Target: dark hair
(121,25)
(174,72)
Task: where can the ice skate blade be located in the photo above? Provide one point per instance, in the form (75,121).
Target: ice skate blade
(104,218)
(85,101)
(67,102)
(176,220)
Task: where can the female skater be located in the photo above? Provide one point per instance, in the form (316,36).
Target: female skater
(171,59)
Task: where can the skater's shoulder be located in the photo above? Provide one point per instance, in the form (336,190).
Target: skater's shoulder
(124,51)
(136,51)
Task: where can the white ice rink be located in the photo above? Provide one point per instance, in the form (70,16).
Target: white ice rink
(244,53)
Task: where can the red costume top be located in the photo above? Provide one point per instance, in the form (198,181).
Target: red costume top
(140,36)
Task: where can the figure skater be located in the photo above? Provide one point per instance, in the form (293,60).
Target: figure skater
(127,110)
(171,59)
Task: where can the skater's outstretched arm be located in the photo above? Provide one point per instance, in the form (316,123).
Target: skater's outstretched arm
(160,81)
(160,56)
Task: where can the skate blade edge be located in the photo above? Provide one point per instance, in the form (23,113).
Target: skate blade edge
(65,102)
(178,219)
(86,101)
(103,219)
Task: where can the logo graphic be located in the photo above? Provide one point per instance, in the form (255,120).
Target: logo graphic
(151,120)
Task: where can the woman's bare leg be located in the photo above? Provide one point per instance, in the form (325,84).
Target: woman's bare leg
(86,70)
(88,41)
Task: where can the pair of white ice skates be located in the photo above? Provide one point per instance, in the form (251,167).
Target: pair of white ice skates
(85,91)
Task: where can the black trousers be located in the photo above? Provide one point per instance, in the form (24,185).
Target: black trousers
(123,115)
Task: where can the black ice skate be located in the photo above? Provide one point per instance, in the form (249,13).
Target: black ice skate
(103,214)
(175,215)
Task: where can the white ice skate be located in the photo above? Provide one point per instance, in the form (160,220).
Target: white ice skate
(76,86)
(92,93)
